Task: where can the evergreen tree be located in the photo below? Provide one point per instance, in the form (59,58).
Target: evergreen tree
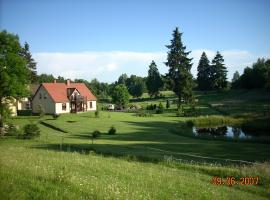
(235,80)
(180,78)
(236,76)
(30,62)
(203,77)
(218,73)
(153,81)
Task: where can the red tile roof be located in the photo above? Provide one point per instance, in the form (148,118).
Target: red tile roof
(58,91)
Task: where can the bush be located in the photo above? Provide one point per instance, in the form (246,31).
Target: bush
(151,107)
(24,112)
(168,104)
(96,134)
(143,114)
(160,108)
(41,111)
(55,116)
(112,131)
(12,130)
(30,131)
(180,112)
(97,114)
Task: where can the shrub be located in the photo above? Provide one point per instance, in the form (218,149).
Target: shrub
(180,112)
(112,131)
(31,131)
(97,114)
(55,116)
(12,130)
(160,108)
(41,111)
(168,105)
(96,134)
(24,112)
(151,107)
(143,114)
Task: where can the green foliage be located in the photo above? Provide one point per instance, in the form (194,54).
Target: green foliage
(14,74)
(120,95)
(218,73)
(153,81)
(215,120)
(135,85)
(40,111)
(96,134)
(46,78)
(204,76)
(122,79)
(24,112)
(112,131)
(30,131)
(160,108)
(180,111)
(256,77)
(30,62)
(179,75)
(168,104)
(151,107)
(56,116)
(142,113)
(97,114)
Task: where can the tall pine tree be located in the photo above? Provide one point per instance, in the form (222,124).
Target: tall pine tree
(180,78)
(31,64)
(218,73)
(203,76)
(153,81)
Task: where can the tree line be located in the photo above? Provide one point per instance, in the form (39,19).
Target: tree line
(18,70)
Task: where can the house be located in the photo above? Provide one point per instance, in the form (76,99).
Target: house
(22,104)
(57,98)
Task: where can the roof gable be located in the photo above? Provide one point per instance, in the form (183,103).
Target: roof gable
(58,91)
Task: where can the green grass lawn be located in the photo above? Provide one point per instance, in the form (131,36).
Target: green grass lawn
(148,158)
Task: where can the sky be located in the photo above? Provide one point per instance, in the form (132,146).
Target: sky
(104,39)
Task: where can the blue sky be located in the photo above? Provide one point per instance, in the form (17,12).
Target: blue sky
(102,39)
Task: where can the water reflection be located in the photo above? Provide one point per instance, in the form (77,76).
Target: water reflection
(222,131)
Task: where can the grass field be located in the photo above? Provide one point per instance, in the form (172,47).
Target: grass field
(148,158)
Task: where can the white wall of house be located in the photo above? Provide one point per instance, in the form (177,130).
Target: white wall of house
(94,105)
(60,108)
(23,104)
(43,98)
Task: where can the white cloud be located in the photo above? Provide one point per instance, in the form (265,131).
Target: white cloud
(107,66)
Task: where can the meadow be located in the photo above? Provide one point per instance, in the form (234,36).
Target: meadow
(148,158)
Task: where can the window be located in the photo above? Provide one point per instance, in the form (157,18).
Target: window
(90,104)
(40,96)
(64,106)
(45,96)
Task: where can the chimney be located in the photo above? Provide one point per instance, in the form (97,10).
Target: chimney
(68,82)
(54,81)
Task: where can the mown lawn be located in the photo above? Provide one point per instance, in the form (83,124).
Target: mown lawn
(148,158)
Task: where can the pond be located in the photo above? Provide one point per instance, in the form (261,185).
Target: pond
(225,131)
